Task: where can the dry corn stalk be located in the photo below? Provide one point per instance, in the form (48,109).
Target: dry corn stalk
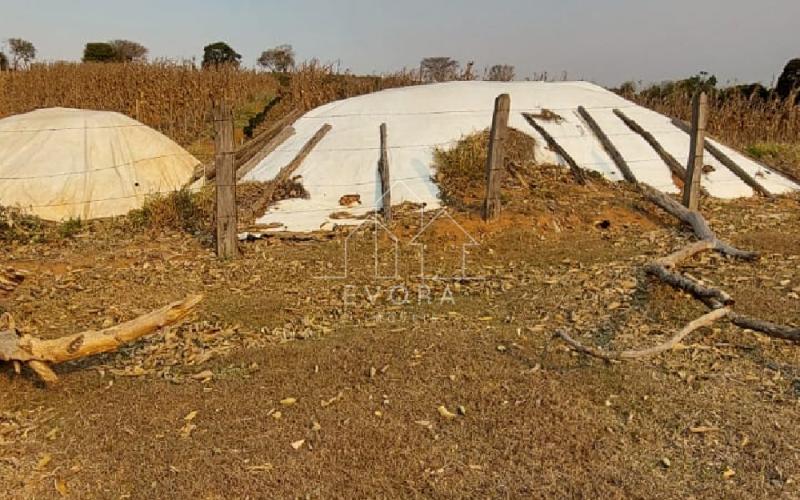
(174,98)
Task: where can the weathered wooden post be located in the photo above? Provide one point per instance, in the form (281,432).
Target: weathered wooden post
(383,171)
(694,171)
(225,181)
(495,163)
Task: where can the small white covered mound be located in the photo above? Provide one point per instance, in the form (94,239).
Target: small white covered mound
(69,163)
(424,117)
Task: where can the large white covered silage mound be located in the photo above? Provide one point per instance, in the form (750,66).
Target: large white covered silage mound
(424,117)
(64,164)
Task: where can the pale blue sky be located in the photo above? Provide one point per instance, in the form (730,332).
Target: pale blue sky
(608,41)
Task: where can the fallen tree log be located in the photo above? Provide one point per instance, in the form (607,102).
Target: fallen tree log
(688,285)
(40,353)
(694,219)
(717,300)
(768,328)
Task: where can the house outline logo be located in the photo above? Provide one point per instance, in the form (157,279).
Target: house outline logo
(373,220)
(392,189)
(444,213)
(377,227)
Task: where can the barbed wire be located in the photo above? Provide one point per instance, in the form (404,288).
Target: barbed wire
(321,150)
(113,198)
(85,127)
(317,210)
(429,177)
(460,111)
(84,172)
(676,131)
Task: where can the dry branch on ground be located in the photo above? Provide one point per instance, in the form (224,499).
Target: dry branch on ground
(39,353)
(719,301)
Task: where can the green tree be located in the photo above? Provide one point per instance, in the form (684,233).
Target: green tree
(220,53)
(22,52)
(438,69)
(702,81)
(627,89)
(789,80)
(279,59)
(99,52)
(128,51)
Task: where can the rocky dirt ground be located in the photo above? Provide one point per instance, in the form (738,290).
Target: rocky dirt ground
(284,384)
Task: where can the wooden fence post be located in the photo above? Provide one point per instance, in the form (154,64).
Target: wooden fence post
(495,163)
(383,171)
(694,171)
(226,182)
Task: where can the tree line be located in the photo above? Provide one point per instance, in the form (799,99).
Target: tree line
(787,85)
(21,53)
(280,59)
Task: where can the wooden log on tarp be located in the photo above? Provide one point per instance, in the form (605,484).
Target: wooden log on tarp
(608,146)
(678,172)
(577,171)
(252,147)
(286,172)
(270,147)
(727,161)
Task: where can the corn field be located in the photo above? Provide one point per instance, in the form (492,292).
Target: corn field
(315,84)
(176,98)
(734,118)
(173,98)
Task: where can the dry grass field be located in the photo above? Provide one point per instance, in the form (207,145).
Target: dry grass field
(286,385)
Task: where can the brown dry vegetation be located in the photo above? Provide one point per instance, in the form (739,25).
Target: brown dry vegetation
(767,128)
(173,98)
(177,98)
(314,84)
(734,118)
(460,171)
